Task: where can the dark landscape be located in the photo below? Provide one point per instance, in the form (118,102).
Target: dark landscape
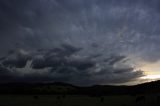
(79,53)
(63,94)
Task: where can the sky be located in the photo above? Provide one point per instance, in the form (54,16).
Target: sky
(82,42)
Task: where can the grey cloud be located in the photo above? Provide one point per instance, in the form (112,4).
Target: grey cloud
(49,23)
(109,74)
(113,59)
(16,59)
(5,74)
(55,57)
(81,64)
(52,65)
(99,28)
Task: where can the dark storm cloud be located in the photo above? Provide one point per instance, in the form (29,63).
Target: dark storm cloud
(99,28)
(19,59)
(62,57)
(124,26)
(5,74)
(54,57)
(66,65)
(113,59)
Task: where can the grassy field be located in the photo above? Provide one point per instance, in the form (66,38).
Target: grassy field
(57,100)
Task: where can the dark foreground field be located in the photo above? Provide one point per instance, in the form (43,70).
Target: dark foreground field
(62,94)
(71,100)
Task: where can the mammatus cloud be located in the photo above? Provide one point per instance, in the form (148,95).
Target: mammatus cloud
(66,65)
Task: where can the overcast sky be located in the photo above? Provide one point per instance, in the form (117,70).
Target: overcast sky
(83,42)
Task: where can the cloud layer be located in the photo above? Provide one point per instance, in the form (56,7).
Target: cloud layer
(125,27)
(106,32)
(67,65)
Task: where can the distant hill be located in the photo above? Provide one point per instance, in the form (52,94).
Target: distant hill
(64,88)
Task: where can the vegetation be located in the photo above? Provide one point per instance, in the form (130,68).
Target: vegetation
(73,100)
(62,94)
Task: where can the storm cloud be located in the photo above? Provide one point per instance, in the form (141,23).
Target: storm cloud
(127,27)
(67,65)
(90,39)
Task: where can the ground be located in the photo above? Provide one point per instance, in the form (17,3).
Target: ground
(70,100)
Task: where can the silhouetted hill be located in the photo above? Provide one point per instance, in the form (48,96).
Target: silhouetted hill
(64,88)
